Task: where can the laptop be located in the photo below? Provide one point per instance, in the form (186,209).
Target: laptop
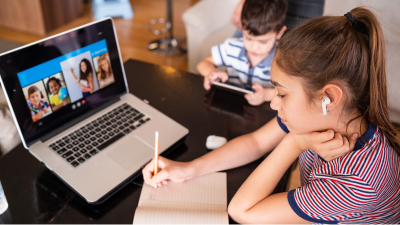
(69,98)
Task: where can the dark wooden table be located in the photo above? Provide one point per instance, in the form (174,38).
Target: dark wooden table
(35,195)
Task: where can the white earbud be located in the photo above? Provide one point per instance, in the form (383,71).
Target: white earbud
(325,101)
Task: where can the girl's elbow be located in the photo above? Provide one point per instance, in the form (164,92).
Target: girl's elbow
(236,213)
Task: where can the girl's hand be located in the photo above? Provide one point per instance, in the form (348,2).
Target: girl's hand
(257,98)
(215,76)
(168,170)
(329,145)
(72,70)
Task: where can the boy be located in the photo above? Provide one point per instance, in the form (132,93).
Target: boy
(248,60)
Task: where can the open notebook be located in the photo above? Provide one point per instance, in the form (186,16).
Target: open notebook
(202,200)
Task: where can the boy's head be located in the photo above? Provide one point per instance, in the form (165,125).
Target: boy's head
(263,24)
(34,95)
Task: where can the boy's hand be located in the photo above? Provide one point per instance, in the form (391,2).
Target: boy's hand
(257,98)
(168,170)
(329,145)
(215,76)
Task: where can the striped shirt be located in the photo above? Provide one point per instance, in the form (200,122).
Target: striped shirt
(360,187)
(232,54)
(42,105)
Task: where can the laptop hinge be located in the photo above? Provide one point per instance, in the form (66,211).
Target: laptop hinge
(79,119)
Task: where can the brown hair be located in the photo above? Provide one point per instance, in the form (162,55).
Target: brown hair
(103,75)
(262,16)
(32,90)
(348,52)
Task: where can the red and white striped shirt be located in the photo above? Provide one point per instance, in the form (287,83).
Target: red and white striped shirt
(360,187)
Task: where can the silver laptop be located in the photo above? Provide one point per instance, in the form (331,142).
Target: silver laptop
(70,101)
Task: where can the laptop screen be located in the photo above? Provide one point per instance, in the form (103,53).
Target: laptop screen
(59,79)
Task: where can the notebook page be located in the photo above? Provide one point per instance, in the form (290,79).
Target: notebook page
(199,200)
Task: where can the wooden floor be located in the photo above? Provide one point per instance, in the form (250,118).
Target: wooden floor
(133,36)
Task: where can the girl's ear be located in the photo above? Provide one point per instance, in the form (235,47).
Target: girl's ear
(334,93)
(281,32)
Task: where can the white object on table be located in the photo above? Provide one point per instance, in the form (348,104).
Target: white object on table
(214,142)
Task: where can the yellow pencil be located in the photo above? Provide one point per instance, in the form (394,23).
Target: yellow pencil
(156,157)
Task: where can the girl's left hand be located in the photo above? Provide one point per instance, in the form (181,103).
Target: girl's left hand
(329,145)
(258,97)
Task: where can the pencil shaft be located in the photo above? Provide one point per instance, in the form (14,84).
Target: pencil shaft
(156,157)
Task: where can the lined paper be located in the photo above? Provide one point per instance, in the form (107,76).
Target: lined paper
(201,200)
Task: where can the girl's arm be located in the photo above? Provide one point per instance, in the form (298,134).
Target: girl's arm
(253,203)
(241,150)
(237,152)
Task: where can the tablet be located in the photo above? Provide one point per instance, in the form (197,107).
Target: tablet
(234,88)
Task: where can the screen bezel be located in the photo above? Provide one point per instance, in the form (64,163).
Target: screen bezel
(12,62)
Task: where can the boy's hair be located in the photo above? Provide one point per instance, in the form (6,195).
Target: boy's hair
(56,80)
(346,50)
(32,90)
(262,16)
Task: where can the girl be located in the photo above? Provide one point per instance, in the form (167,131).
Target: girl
(85,80)
(105,75)
(342,58)
(37,106)
(53,87)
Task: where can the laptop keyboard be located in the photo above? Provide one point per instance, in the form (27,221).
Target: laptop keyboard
(84,143)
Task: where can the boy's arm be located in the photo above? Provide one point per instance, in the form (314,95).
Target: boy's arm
(206,66)
(253,203)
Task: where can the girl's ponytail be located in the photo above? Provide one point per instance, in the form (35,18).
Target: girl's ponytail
(367,24)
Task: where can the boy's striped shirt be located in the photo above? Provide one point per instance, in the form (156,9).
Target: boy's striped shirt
(232,54)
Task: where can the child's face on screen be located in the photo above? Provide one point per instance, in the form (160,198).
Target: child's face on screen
(54,87)
(293,105)
(35,98)
(83,67)
(104,65)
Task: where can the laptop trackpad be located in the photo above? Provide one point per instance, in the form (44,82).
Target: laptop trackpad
(131,154)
